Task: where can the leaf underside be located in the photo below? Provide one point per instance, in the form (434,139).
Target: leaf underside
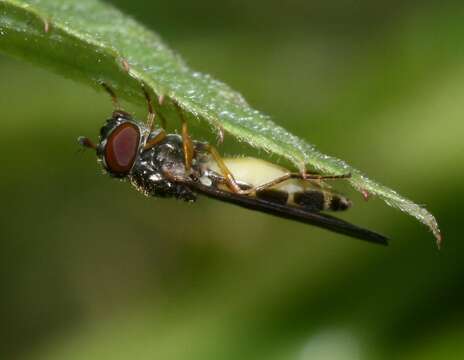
(93,42)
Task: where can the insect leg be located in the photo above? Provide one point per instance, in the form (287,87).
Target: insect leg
(289,176)
(151,113)
(186,140)
(156,140)
(307,176)
(229,177)
(113,96)
(274,182)
(160,115)
(85,141)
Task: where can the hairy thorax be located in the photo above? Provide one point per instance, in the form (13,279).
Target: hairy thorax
(161,171)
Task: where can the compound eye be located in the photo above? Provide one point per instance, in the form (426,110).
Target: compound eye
(121,149)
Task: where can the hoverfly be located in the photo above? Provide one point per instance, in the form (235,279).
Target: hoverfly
(172,165)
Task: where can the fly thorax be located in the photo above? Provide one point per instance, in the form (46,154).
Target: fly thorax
(169,157)
(157,169)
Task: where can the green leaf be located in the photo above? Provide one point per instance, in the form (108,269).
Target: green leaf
(93,42)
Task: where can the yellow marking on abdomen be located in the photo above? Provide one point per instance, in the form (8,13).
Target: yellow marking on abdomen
(256,172)
(309,194)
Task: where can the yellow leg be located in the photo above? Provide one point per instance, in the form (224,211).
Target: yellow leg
(296,176)
(113,96)
(151,113)
(186,140)
(307,176)
(228,176)
(156,140)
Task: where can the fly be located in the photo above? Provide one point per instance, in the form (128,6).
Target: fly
(171,165)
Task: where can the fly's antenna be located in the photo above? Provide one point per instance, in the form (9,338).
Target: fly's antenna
(86,143)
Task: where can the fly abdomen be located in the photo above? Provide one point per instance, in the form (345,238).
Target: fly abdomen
(273,195)
(339,203)
(309,195)
(319,200)
(314,200)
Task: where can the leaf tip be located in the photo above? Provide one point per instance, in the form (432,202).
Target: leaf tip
(439,238)
(433,225)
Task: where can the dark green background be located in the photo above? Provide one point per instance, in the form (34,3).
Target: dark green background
(90,269)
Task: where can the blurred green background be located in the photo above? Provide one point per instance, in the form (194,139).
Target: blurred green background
(90,269)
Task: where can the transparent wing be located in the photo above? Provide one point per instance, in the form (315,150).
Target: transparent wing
(291,212)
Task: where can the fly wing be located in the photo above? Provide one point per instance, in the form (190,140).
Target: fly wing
(291,212)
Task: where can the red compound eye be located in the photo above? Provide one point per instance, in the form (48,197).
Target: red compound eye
(121,149)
